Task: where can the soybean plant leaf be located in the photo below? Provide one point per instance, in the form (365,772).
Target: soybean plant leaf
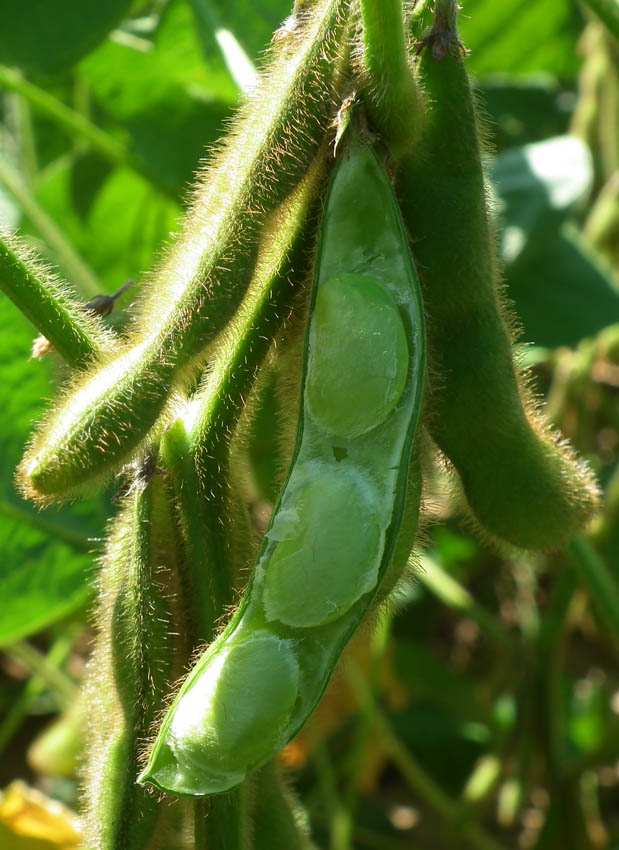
(520,37)
(48,36)
(253,22)
(430,734)
(169,94)
(523,109)
(563,293)
(120,228)
(537,186)
(46,562)
(432,681)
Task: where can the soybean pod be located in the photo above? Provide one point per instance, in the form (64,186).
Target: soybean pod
(106,416)
(522,482)
(336,523)
(77,335)
(133,665)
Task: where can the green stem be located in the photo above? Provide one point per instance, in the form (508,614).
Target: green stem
(62,685)
(73,265)
(363,736)
(391,92)
(598,580)
(339,821)
(420,8)
(452,594)
(446,15)
(551,659)
(608,12)
(72,121)
(35,686)
(222,821)
(76,124)
(275,814)
(421,783)
(75,334)
(19,120)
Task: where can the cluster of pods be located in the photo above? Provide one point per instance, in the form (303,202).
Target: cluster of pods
(394,233)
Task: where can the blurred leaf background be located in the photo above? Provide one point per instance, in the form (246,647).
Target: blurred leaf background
(484,710)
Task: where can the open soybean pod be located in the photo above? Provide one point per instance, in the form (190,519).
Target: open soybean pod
(106,415)
(336,523)
(522,483)
(135,661)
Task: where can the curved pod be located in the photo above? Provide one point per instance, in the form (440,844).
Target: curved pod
(521,481)
(336,524)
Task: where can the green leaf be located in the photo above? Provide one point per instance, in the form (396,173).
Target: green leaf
(48,36)
(253,22)
(433,681)
(47,559)
(523,109)
(563,293)
(169,95)
(120,224)
(537,187)
(520,37)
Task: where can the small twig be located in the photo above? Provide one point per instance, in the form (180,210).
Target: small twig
(62,685)
(421,783)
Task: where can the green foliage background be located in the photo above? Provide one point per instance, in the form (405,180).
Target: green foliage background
(495,695)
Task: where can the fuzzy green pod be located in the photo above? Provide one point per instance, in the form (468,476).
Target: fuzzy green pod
(77,335)
(131,670)
(206,744)
(106,415)
(522,482)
